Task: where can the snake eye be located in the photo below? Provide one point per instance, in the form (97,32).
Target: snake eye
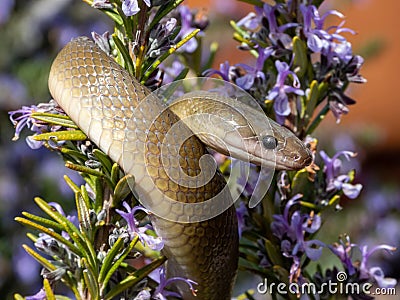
(269,142)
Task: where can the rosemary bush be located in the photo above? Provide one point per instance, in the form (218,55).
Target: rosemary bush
(301,70)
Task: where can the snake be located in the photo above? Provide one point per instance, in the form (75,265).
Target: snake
(106,103)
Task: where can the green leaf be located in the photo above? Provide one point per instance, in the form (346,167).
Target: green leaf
(55,119)
(84,169)
(123,189)
(351,174)
(300,61)
(248,295)
(71,184)
(244,35)
(115,265)
(85,197)
(90,281)
(57,136)
(311,100)
(171,50)
(115,174)
(108,260)
(40,259)
(128,64)
(83,214)
(49,210)
(318,119)
(110,12)
(133,279)
(43,221)
(104,160)
(74,154)
(98,190)
(49,232)
(322,90)
(48,290)
(281,273)
(84,246)
(114,16)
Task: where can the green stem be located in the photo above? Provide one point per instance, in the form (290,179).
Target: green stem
(168,53)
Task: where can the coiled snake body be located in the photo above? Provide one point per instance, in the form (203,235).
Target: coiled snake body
(105,102)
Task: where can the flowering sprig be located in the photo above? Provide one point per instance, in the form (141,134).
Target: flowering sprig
(279,92)
(358,271)
(25,117)
(272,27)
(155,243)
(162,293)
(301,72)
(292,231)
(336,181)
(90,256)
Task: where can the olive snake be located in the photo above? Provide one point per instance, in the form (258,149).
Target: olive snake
(107,105)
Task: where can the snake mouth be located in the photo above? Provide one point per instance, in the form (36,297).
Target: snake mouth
(297,160)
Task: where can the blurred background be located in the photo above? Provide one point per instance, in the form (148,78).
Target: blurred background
(31,34)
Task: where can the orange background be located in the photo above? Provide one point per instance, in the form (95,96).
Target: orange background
(377,23)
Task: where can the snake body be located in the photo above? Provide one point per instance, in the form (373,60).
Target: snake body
(106,103)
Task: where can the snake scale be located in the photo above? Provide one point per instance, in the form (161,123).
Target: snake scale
(105,102)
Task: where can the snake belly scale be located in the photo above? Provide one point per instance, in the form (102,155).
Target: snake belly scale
(103,99)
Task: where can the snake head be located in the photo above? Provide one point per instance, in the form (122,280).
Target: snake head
(290,152)
(235,129)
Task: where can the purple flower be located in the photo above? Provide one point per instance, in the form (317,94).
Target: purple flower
(292,230)
(280,90)
(23,118)
(131,7)
(187,28)
(336,181)
(162,294)
(276,33)
(254,73)
(375,272)
(102,40)
(41,295)
(251,21)
(338,109)
(319,40)
(170,73)
(343,250)
(225,71)
(155,243)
